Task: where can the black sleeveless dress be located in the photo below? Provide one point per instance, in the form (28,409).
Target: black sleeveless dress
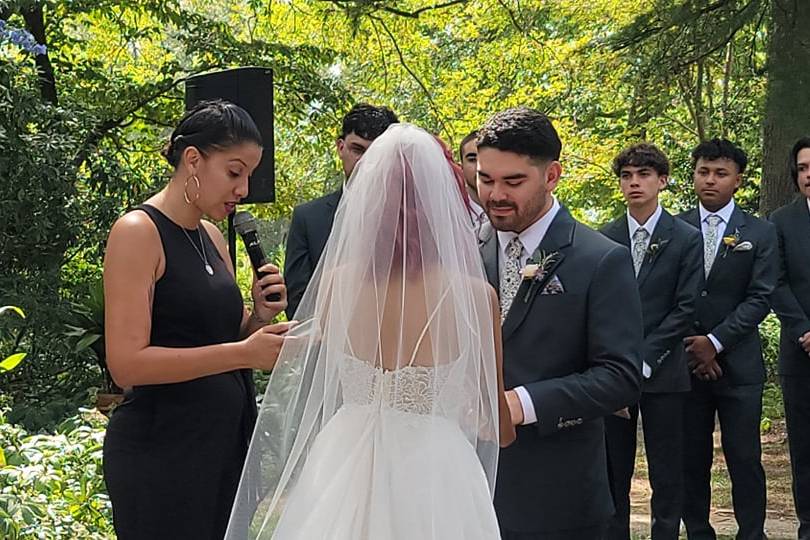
(173,453)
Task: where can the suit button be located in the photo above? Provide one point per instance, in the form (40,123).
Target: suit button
(703,293)
(697,324)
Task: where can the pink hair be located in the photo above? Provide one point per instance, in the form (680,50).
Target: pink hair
(407,241)
(457,171)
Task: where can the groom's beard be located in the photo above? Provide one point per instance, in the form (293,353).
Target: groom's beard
(521,217)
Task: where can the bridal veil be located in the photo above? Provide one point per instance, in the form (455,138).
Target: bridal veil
(397,322)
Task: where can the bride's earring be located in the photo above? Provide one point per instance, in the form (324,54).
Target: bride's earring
(185,189)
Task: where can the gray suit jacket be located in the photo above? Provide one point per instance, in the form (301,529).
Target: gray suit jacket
(310,227)
(735,297)
(668,282)
(572,339)
(791,299)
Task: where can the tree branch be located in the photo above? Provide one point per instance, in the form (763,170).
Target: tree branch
(413,74)
(347,5)
(415,14)
(523,30)
(96,134)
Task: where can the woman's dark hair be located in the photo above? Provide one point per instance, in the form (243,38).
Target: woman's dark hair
(793,165)
(209,126)
(642,155)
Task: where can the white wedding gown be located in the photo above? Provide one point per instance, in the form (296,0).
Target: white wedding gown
(372,471)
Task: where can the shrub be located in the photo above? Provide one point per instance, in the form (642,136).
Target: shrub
(52,486)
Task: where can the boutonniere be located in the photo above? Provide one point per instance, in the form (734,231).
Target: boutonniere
(730,241)
(655,247)
(537,271)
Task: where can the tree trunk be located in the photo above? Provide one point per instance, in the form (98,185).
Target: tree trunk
(787,102)
(35,23)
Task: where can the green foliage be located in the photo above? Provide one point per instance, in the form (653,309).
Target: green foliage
(86,330)
(608,75)
(13,360)
(51,486)
(74,161)
(772,405)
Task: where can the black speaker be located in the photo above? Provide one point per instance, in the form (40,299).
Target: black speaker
(252,89)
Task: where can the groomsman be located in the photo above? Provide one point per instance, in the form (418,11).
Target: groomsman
(312,221)
(468,156)
(791,302)
(740,269)
(667,255)
(572,333)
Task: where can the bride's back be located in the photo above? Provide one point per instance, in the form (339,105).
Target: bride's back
(407,313)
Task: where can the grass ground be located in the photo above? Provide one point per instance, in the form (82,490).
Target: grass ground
(781,519)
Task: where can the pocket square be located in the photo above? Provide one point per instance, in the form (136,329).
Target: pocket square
(743,246)
(554,286)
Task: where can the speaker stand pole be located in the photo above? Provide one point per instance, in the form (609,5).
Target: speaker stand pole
(232,241)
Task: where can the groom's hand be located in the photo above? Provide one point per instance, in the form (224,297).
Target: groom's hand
(515,408)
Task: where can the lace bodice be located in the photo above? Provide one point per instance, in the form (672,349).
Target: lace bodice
(410,389)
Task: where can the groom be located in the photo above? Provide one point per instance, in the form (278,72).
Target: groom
(572,334)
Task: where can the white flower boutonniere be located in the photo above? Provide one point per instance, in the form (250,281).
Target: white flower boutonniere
(655,247)
(536,272)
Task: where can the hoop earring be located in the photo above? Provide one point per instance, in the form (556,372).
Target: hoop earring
(185,189)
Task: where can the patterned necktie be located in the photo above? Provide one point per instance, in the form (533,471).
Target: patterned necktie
(640,238)
(510,275)
(710,242)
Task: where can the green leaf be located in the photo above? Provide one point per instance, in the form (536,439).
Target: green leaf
(11,362)
(86,341)
(15,309)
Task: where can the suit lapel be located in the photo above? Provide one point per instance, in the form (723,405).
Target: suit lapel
(735,225)
(661,237)
(618,231)
(692,217)
(332,202)
(489,253)
(801,217)
(559,236)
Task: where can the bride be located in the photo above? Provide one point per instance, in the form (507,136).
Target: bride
(381,417)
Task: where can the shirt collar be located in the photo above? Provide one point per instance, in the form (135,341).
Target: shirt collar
(649,225)
(808,204)
(724,212)
(533,234)
(476,210)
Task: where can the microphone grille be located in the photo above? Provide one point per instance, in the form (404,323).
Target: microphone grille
(243,222)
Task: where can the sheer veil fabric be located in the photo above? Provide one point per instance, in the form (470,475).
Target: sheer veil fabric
(380,420)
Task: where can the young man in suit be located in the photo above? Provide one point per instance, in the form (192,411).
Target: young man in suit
(667,255)
(468,156)
(572,334)
(724,352)
(791,302)
(312,221)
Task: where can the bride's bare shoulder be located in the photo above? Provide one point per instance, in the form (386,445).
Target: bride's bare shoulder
(480,287)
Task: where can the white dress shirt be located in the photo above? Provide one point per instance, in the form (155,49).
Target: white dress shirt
(725,215)
(478,216)
(649,226)
(530,238)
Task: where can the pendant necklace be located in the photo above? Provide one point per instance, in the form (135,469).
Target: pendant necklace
(203,257)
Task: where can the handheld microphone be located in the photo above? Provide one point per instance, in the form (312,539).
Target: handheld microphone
(245,225)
